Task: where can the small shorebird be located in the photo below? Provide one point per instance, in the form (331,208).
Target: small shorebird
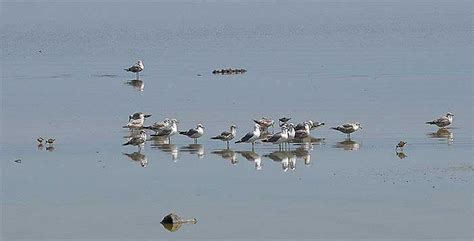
(348,128)
(136,68)
(265,123)
(50,141)
(400,145)
(252,136)
(40,140)
(194,133)
(442,121)
(168,131)
(136,120)
(226,135)
(137,141)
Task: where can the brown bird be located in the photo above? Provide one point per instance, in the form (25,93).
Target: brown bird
(400,145)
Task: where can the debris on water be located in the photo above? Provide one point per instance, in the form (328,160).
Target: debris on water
(199,75)
(229,71)
(172,222)
(175,218)
(18,161)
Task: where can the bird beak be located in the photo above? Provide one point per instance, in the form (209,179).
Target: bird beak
(146,116)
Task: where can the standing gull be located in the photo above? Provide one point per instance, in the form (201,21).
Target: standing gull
(136,120)
(442,121)
(226,135)
(137,141)
(136,68)
(303,133)
(168,131)
(279,137)
(159,125)
(348,128)
(194,133)
(312,125)
(251,137)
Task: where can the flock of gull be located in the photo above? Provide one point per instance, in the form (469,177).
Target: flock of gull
(289,132)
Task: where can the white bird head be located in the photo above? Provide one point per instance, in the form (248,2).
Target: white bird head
(200,126)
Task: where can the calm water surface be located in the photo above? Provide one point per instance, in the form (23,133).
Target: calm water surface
(390,66)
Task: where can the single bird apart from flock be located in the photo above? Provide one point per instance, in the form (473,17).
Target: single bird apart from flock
(400,145)
(226,135)
(136,68)
(442,121)
(348,128)
(194,133)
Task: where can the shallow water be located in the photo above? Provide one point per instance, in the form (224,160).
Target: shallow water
(390,66)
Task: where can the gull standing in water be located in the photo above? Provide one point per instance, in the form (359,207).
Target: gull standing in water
(348,128)
(312,125)
(168,131)
(194,133)
(137,141)
(136,68)
(442,121)
(159,125)
(279,137)
(226,135)
(136,120)
(303,133)
(251,137)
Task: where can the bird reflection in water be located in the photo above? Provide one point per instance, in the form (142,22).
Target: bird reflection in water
(136,84)
(348,145)
(162,144)
(309,140)
(286,158)
(253,157)
(50,148)
(137,157)
(197,149)
(401,154)
(443,133)
(227,154)
(303,152)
